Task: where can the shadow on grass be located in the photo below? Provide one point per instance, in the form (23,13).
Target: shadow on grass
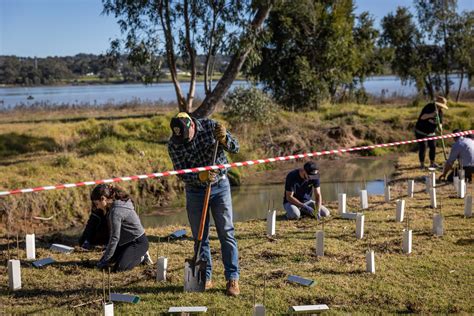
(337,272)
(12,144)
(465,242)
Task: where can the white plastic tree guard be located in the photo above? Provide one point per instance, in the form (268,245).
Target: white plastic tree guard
(456,183)
(438,229)
(258,310)
(108,308)
(364,200)
(320,243)
(306,309)
(14,275)
(468,206)
(387,193)
(161,268)
(30,247)
(411,188)
(271,223)
(43,262)
(432,179)
(407,241)
(342,199)
(370,261)
(433,203)
(187,309)
(400,211)
(126,298)
(462,174)
(360,226)
(61,248)
(300,280)
(462,188)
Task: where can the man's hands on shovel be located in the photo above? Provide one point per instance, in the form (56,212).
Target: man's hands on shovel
(220,133)
(208,176)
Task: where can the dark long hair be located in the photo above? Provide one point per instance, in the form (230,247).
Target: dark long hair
(110,192)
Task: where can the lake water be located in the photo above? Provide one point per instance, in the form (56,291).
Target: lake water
(120,93)
(251,201)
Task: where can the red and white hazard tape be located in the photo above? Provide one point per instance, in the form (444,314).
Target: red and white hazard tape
(228,165)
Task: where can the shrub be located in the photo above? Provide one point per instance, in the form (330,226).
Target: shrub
(246,105)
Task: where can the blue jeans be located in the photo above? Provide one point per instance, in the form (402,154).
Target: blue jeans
(294,212)
(220,206)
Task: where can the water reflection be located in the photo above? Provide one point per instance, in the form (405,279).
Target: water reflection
(251,201)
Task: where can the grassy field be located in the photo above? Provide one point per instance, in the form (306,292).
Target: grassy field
(46,146)
(436,278)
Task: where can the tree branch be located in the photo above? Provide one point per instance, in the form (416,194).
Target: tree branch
(210,102)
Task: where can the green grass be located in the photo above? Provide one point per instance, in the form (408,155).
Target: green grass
(435,278)
(50,146)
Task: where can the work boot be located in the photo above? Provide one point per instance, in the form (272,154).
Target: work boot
(232,288)
(209,285)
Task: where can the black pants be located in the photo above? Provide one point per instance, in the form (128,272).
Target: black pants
(468,171)
(422,148)
(129,255)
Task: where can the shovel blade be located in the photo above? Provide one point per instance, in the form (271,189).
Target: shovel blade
(194,276)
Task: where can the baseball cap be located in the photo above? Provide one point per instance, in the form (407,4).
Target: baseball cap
(311,169)
(180,125)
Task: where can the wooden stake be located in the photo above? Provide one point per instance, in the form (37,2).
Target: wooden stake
(17,246)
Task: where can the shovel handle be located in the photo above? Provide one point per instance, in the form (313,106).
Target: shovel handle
(206,200)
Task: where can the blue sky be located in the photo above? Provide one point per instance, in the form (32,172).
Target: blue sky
(67,27)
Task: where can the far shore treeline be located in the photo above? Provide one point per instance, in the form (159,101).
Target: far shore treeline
(302,53)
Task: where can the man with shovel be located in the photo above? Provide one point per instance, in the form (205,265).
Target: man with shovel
(199,143)
(299,186)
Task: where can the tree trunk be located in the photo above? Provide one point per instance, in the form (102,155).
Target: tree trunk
(460,85)
(209,104)
(192,60)
(166,24)
(429,87)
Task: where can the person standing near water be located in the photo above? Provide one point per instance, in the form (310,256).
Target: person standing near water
(430,118)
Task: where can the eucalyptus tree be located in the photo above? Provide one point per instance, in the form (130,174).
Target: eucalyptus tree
(436,18)
(184,28)
(410,58)
(462,39)
(316,51)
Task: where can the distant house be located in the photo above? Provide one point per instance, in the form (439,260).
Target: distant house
(90,74)
(166,71)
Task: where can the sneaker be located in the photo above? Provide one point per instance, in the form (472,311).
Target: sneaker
(232,288)
(209,285)
(434,165)
(146,259)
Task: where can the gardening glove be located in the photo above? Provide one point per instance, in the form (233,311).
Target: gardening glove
(308,209)
(208,176)
(220,134)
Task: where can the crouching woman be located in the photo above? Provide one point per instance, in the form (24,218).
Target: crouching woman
(128,245)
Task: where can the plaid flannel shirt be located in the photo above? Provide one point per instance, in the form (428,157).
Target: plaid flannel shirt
(199,151)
